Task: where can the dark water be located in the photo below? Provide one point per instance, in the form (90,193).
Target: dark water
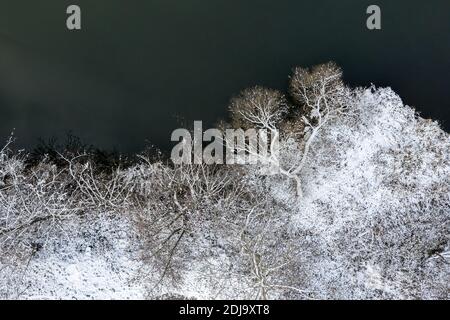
(139,69)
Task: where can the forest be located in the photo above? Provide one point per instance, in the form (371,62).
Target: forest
(355,205)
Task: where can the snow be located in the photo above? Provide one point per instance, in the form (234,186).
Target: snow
(96,260)
(373,222)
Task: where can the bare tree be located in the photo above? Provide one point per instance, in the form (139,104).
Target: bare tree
(321,96)
(108,192)
(33,205)
(265,253)
(258,107)
(174,206)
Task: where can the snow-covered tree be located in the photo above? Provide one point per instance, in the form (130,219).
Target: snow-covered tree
(369,218)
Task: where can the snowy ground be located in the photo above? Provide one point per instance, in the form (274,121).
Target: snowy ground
(94,259)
